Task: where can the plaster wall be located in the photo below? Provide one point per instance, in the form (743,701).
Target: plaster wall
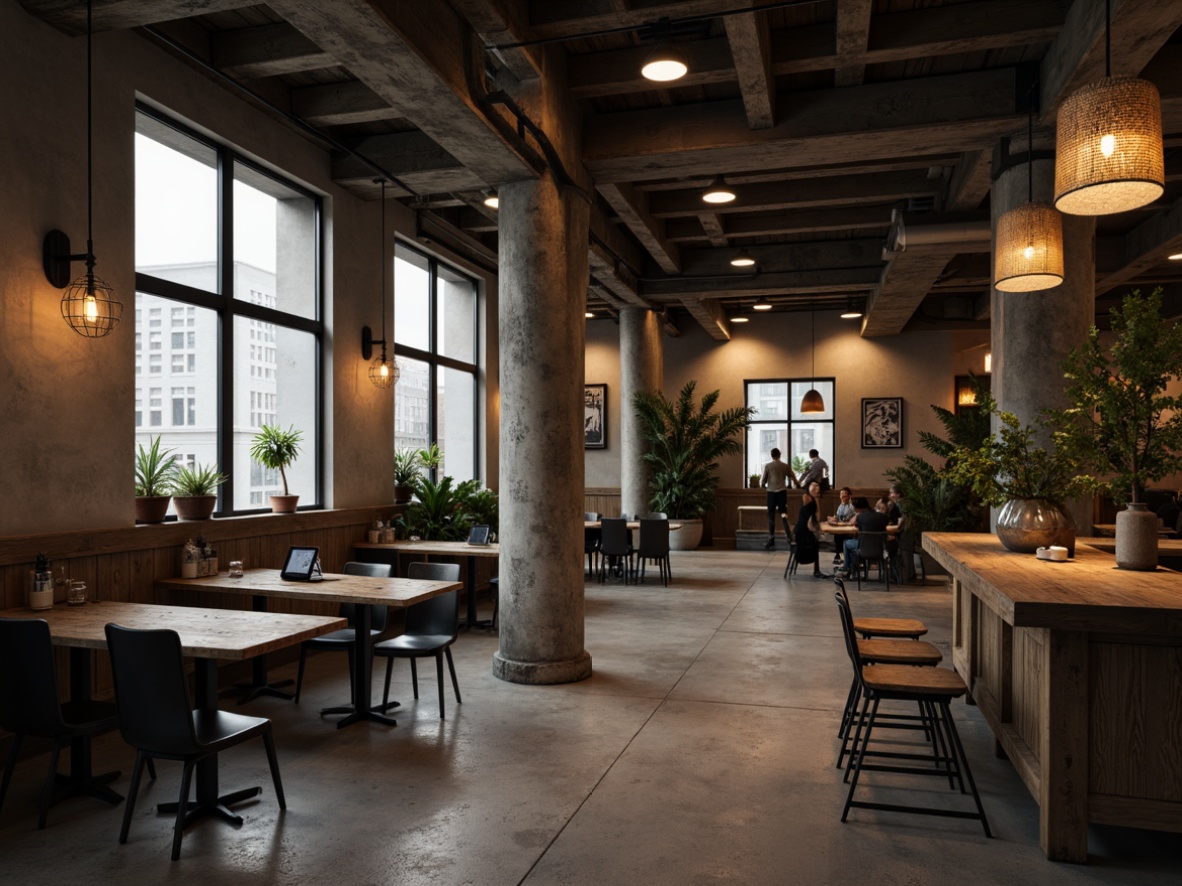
(917,366)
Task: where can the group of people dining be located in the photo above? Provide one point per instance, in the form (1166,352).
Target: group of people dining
(778,476)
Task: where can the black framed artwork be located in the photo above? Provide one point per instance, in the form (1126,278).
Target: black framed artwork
(882,422)
(595,416)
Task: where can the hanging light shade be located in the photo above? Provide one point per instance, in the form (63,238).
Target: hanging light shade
(383,371)
(743,259)
(664,63)
(90,306)
(1028,251)
(718,192)
(812,401)
(852,311)
(761,304)
(492,200)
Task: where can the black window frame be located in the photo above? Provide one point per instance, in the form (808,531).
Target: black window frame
(227,307)
(788,419)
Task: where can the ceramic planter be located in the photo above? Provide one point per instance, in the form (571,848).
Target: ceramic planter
(688,537)
(1136,538)
(151,508)
(284,504)
(195,507)
(1027,524)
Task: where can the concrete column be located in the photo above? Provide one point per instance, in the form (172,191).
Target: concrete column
(1032,332)
(641,369)
(542,283)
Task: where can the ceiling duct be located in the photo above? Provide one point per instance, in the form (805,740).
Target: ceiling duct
(948,233)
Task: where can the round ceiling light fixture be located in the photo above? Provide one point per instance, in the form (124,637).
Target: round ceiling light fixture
(719,192)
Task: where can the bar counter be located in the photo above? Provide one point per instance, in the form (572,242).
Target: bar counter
(1077,668)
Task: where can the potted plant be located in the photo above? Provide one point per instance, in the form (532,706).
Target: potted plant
(406,471)
(1121,422)
(154,470)
(439,513)
(195,491)
(1030,482)
(684,440)
(275,449)
(753,481)
(431,458)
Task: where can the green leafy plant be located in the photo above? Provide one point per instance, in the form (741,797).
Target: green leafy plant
(431,457)
(1011,464)
(482,509)
(968,429)
(406,466)
(933,501)
(1121,422)
(438,512)
(275,449)
(154,469)
(685,439)
(800,464)
(198,480)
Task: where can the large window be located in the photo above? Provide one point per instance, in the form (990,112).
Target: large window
(778,422)
(227,310)
(435,333)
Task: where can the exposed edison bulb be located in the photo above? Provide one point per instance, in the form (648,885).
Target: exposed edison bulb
(1107,144)
(1028,253)
(385,370)
(90,309)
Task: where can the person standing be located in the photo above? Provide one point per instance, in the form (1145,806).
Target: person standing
(776,478)
(816,472)
(808,548)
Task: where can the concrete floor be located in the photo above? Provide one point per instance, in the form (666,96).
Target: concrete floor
(700,752)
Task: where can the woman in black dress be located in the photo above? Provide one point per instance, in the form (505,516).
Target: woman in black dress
(807,546)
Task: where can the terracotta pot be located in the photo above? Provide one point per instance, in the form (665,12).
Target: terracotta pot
(1136,538)
(284,504)
(403,494)
(1027,524)
(195,507)
(688,537)
(151,508)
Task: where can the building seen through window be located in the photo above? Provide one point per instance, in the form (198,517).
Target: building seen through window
(778,422)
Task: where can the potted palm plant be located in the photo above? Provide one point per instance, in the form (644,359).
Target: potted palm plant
(406,471)
(684,439)
(154,470)
(1122,422)
(195,491)
(275,449)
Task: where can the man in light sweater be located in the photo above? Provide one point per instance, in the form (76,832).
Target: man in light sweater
(777,476)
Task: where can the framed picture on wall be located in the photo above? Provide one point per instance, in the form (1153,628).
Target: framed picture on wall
(882,422)
(595,416)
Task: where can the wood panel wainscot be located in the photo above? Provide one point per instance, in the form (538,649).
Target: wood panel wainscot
(1077,668)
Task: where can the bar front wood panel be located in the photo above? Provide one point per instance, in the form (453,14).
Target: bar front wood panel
(1077,668)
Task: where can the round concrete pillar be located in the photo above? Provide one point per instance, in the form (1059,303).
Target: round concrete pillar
(641,369)
(1032,332)
(542,282)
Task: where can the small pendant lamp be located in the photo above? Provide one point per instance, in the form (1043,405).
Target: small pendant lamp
(1108,152)
(383,370)
(89,305)
(812,401)
(1028,249)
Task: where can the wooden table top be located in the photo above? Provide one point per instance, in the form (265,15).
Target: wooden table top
(851,529)
(205,633)
(449,548)
(632,524)
(1108,530)
(1085,593)
(334,589)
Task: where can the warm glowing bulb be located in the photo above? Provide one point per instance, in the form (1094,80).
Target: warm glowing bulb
(1177,256)
(90,309)
(663,70)
(1028,253)
(385,370)
(988,361)
(492,201)
(1107,145)
(588,315)
(740,319)
(761,306)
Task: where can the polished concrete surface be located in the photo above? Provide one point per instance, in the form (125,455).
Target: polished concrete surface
(699,752)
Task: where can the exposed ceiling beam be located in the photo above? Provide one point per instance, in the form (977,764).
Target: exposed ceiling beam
(971,181)
(632,206)
(850,190)
(1147,246)
(570,18)
(116,15)
(712,227)
(502,21)
(709,313)
(952,113)
(904,283)
(853,39)
(782,257)
(417,56)
(335,104)
(751,50)
(267,51)
(840,280)
(614,276)
(411,157)
(780,223)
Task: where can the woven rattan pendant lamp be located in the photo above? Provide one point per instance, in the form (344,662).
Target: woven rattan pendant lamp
(812,401)
(1108,153)
(1028,248)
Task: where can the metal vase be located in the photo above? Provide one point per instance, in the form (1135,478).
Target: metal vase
(1027,524)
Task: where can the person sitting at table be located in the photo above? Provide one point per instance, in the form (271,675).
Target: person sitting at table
(845,510)
(814,489)
(881,504)
(807,546)
(867,521)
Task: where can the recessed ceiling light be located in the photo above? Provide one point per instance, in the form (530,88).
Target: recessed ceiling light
(588,314)
(740,319)
(718,192)
(664,64)
(762,304)
(742,259)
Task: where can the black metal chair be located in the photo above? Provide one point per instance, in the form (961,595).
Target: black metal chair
(29,706)
(157,718)
(343,640)
(654,545)
(872,549)
(591,536)
(615,549)
(790,566)
(431,628)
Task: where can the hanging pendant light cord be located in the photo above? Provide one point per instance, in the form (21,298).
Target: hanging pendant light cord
(1107,38)
(89,158)
(813,349)
(1030,146)
(383,254)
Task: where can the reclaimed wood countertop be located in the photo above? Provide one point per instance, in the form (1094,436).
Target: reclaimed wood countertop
(332,589)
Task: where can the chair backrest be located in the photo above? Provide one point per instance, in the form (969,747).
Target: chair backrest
(439,615)
(847,630)
(654,538)
(28,689)
(615,538)
(151,691)
(590,516)
(372,570)
(656,515)
(872,545)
